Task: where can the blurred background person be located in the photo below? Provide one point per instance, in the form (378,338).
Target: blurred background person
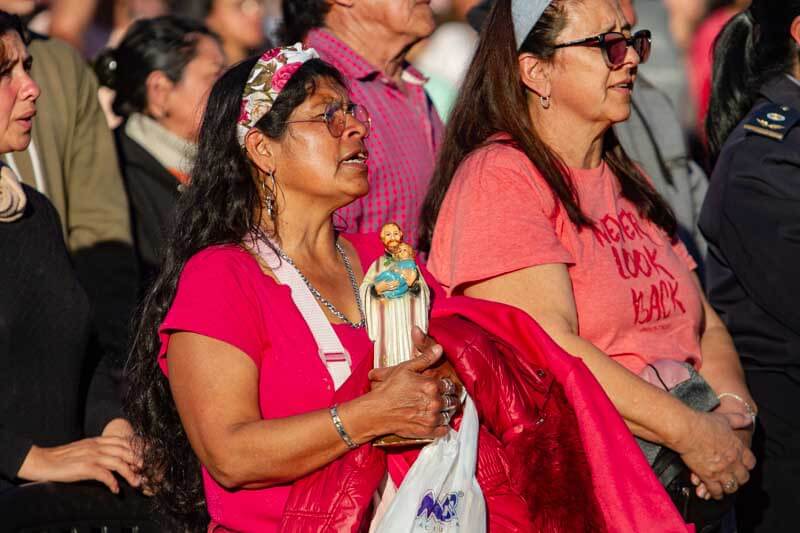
(71,160)
(654,139)
(700,56)
(666,68)
(367,40)
(45,328)
(273,18)
(123,13)
(751,219)
(90,25)
(161,73)
(444,56)
(239,23)
(69,20)
(683,18)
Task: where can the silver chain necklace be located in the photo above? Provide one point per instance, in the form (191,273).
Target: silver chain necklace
(321,299)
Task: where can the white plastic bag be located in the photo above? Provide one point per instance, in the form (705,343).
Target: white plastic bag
(440,493)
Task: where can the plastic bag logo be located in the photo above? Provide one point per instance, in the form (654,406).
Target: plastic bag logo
(432,515)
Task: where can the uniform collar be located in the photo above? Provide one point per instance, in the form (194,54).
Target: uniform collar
(784,90)
(351,64)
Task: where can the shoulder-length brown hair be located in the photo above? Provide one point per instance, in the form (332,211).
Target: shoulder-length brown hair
(493,100)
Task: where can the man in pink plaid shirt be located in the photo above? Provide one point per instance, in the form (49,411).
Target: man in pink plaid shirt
(367,41)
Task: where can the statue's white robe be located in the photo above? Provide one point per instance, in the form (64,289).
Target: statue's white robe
(391,320)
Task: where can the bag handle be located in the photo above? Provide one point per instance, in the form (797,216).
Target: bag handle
(468,437)
(331,351)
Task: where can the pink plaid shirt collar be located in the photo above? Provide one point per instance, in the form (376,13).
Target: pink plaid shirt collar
(353,65)
(402,144)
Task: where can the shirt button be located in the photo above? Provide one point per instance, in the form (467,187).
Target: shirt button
(541,373)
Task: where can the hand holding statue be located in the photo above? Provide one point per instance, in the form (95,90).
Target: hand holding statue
(395,299)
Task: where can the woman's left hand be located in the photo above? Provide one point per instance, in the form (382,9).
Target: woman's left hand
(744,434)
(446,371)
(443,369)
(731,405)
(728,405)
(119,427)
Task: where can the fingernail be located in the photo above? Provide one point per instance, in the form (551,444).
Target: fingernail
(437,349)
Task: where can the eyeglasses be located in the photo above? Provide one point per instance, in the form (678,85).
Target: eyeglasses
(614,46)
(335,117)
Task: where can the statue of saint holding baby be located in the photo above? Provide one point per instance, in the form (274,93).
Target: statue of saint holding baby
(395,299)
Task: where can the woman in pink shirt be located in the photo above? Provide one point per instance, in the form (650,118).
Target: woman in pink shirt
(535,204)
(230,395)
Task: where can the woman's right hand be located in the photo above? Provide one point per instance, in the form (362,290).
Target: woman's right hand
(410,404)
(715,454)
(88,459)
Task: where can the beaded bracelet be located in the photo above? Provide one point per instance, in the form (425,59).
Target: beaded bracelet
(340,428)
(749,408)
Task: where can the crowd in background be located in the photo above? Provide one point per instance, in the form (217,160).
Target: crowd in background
(684,32)
(120,88)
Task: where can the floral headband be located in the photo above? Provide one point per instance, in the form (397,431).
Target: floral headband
(266,81)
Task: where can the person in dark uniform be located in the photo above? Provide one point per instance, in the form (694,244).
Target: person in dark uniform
(751,219)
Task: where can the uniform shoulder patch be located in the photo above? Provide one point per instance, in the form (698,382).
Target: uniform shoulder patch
(773,121)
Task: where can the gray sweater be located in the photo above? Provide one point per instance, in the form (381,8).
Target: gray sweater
(653,138)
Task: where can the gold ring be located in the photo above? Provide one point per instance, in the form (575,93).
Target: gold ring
(449,402)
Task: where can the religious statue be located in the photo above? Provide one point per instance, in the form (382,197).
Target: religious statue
(395,298)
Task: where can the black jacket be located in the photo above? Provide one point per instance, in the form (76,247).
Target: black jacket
(751,218)
(153,193)
(45,330)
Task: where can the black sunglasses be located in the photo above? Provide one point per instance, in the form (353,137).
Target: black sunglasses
(614,46)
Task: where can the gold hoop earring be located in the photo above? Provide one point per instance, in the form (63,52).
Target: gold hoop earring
(545,101)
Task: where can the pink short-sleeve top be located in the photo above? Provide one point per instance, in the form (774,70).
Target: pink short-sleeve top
(223,293)
(633,286)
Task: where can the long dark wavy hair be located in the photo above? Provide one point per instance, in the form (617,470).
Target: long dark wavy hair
(754,47)
(220,206)
(494,100)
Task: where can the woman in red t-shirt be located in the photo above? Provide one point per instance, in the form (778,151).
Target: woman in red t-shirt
(535,204)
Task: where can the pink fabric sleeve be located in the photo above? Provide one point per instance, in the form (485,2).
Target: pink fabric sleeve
(215,298)
(499,220)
